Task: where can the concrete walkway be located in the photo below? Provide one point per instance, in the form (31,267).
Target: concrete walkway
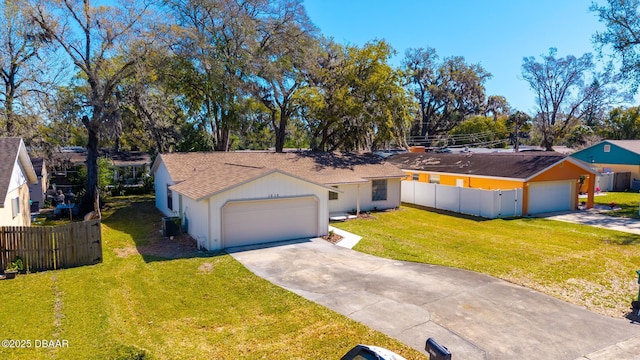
(474,315)
(594,218)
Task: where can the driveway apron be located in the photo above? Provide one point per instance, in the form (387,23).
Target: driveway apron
(474,315)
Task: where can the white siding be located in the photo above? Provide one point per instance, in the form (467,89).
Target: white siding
(196,215)
(18,177)
(161,180)
(347,199)
(393,196)
(6,212)
(272,185)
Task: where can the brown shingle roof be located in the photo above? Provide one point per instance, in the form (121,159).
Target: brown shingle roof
(508,165)
(204,173)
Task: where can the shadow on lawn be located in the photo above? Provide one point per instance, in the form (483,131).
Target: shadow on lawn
(446,212)
(143,222)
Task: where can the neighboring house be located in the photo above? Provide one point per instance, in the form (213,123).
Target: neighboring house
(231,199)
(38,191)
(129,167)
(16,173)
(614,156)
(546,181)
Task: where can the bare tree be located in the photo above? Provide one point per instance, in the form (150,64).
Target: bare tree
(622,35)
(563,94)
(104,42)
(21,65)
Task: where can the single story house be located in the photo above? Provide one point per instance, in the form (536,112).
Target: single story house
(228,199)
(129,167)
(16,173)
(38,191)
(614,156)
(548,181)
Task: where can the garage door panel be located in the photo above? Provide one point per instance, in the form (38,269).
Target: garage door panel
(254,222)
(550,197)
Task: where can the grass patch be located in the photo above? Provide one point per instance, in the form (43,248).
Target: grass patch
(628,201)
(580,264)
(200,306)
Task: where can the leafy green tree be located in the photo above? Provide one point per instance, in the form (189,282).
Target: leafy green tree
(622,124)
(281,59)
(519,124)
(446,91)
(103,42)
(497,105)
(355,99)
(212,41)
(480,131)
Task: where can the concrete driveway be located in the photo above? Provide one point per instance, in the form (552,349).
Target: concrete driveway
(475,316)
(593,218)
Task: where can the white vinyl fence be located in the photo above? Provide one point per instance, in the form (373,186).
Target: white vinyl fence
(485,203)
(605,181)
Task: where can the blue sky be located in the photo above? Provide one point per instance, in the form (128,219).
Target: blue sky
(494,33)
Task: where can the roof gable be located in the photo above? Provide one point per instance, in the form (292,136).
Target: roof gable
(504,165)
(12,152)
(197,189)
(205,173)
(619,152)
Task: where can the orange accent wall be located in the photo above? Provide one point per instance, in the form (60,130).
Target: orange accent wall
(562,171)
(451,180)
(495,184)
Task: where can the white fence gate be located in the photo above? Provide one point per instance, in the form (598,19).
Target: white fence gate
(485,203)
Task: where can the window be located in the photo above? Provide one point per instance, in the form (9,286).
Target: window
(415,177)
(434,179)
(333,195)
(15,205)
(378,190)
(607,148)
(169,198)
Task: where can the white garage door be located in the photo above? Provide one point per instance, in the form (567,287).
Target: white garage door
(262,221)
(550,196)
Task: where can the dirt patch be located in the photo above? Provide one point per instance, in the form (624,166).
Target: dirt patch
(206,268)
(170,248)
(332,238)
(126,252)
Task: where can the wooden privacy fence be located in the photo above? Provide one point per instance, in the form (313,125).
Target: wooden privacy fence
(51,247)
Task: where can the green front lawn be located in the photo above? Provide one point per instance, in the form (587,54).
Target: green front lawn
(628,202)
(580,264)
(199,306)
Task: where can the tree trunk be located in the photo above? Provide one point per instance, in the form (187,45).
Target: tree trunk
(92,168)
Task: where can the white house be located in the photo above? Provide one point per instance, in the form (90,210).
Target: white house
(228,199)
(16,173)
